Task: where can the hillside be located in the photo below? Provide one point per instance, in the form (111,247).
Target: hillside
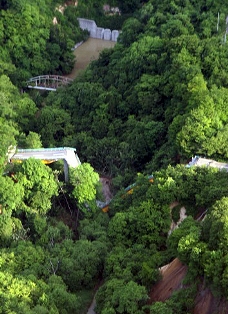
(172,280)
(140,111)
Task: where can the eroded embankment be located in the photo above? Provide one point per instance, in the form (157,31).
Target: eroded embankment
(206,303)
(172,279)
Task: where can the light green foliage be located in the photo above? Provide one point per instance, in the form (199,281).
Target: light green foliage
(187,244)
(64,301)
(204,129)
(177,26)
(25,259)
(32,140)
(23,274)
(85,182)
(19,43)
(8,133)
(15,288)
(11,194)
(39,186)
(196,187)
(184,228)
(33,43)
(216,224)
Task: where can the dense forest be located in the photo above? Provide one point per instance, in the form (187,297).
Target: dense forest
(144,107)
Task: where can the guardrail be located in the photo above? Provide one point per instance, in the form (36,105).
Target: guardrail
(21,150)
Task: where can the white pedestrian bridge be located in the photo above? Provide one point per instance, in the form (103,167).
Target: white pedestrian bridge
(49,155)
(48,82)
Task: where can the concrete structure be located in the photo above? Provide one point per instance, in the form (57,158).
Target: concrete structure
(198,161)
(107,34)
(97,32)
(115,35)
(49,155)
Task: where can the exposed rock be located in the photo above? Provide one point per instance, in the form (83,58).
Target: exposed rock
(183,215)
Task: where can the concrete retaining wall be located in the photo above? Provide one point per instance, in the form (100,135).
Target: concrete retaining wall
(115,35)
(107,34)
(98,32)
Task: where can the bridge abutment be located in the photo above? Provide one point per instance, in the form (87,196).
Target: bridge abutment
(66,170)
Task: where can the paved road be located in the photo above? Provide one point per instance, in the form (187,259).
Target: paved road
(91,308)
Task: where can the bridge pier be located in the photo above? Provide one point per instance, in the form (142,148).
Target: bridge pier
(66,170)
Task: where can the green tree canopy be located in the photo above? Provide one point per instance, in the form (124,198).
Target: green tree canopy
(85,182)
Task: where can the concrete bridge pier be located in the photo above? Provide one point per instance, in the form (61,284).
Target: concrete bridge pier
(71,160)
(66,170)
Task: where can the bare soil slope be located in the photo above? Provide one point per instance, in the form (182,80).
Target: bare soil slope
(206,303)
(172,277)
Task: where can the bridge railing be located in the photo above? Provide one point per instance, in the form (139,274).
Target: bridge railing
(53,81)
(22,150)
